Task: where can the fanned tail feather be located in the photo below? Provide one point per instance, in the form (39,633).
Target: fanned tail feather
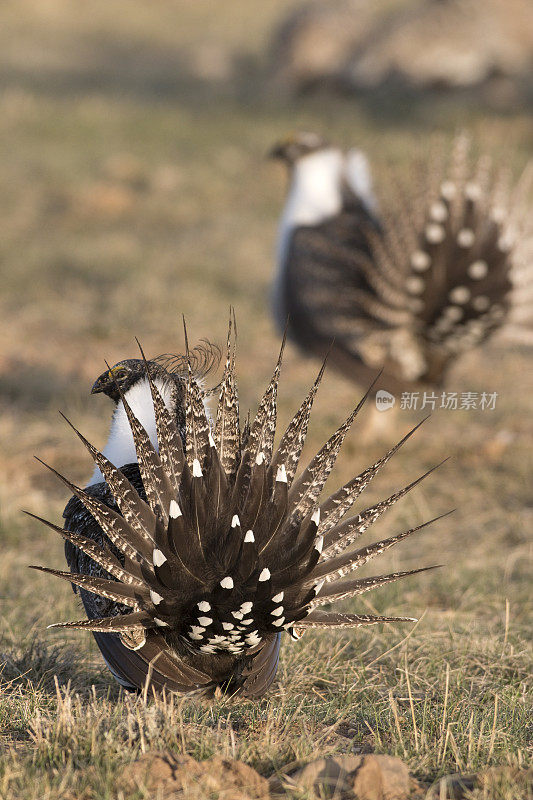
(229,549)
(344,534)
(292,442)
(338,566)
(341,590)
(337,505)
(135,621)
(322,619)
(169,440)
(104,558)
(155,481)
(135,511)
(227,434)
(460,256)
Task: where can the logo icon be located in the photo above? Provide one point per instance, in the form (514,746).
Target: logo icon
(384,400)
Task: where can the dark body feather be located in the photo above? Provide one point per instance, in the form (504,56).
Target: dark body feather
(324,289)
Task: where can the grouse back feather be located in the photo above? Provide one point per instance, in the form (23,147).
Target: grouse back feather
(193,562)
(447,263)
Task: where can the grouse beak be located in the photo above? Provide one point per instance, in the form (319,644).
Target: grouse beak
(103,382)
(284,150)
(279,151)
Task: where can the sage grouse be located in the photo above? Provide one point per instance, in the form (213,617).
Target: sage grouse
(436,273)
(193,559)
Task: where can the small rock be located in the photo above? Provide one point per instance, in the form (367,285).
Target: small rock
(493,782)
(180,776)
(366,777)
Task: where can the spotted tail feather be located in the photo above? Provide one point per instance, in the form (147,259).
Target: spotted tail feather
(460,253)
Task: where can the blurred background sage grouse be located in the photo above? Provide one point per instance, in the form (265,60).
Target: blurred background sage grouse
(201,545)
(410,283)
(360,45)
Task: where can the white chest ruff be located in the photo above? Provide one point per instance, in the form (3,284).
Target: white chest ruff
(120,448)
(314,196)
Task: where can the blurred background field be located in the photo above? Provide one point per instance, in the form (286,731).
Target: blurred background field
(135,188)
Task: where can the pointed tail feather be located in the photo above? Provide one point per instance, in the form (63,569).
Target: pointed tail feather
(306,489)
(111,590)
(155,481)
(168,438)
(104,558)
(293,440)
(123,535)
(339,566)
(323,619)
(342,590)
(136,512)
(227,426)
(135,621)
(344,534)
(336,506)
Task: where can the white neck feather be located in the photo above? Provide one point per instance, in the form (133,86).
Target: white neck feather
(120,448)
(314,195)
(315,191)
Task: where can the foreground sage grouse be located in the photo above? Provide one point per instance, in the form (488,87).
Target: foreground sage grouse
(196,556)
(442,266)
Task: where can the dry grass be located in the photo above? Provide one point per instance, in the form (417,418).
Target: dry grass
(135,189)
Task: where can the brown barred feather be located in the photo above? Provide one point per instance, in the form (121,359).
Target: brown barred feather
(341,590)
(323,619)
(104,558)
(135,621)
(116,528)
(168,437)
(126,594)
(263,428)
(227,430)
(197,426)
(337,505)
(292,442)
(338,538)
(137,514)
(307,488)
(338,566)
(155,481)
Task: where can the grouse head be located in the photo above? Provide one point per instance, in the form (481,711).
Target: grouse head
(164,369)
(297,145)
(121,378)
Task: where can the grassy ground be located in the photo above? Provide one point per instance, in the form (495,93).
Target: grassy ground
(132,140)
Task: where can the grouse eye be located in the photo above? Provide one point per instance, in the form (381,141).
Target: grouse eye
(119,373)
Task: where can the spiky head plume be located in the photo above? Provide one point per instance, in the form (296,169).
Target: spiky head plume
(230,548)
(169,368)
